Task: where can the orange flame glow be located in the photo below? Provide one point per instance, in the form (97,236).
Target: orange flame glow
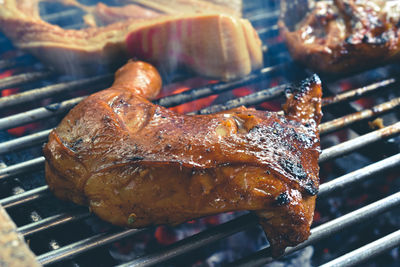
(17,131)
(186,85)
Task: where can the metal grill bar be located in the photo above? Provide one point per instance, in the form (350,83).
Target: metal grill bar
(40,93)
(84,245)
(248,100)
(327,229)
(196,241)
(272,30)
(51,222)
(20,79)
(355,143)
(22,167)
(24,142)
(264,16)
(352,94)
(358,175)
(25,197)
(366,252)
(270,93)
(344,121)
(38,114)
(218,88)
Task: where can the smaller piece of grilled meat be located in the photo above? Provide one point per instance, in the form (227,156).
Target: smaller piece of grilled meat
(136,164)
(341,36)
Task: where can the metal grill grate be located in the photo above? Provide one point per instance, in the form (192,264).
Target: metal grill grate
(341,114)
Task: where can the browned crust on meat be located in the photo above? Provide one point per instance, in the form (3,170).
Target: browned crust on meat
(136,164)
(340,37)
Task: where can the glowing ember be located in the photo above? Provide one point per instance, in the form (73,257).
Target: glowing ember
(18,131)
(242,91)
(194,105)
(180,87)
(6,74)
(271,105)
(365,102)
(165,235)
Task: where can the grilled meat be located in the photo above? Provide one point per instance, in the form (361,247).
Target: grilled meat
(211,44)
(343,35)
(135,163)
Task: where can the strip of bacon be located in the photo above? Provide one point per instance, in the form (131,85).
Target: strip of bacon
(215,45)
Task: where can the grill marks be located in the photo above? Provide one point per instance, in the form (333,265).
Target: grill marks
(295,168)
(287,141)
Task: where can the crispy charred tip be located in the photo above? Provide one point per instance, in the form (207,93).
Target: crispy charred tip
(294,168)
(310,81)
(311,188)
(305,86)
(282,199)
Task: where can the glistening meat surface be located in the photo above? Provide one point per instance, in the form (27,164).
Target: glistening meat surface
(342,36)
(136,164)
(211,44)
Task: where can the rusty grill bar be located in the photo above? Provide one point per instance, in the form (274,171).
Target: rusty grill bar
(241,223)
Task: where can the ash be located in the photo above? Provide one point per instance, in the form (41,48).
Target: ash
(299,258)
(216,254)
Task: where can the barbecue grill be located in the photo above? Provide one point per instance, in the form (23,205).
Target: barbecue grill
(68,235)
